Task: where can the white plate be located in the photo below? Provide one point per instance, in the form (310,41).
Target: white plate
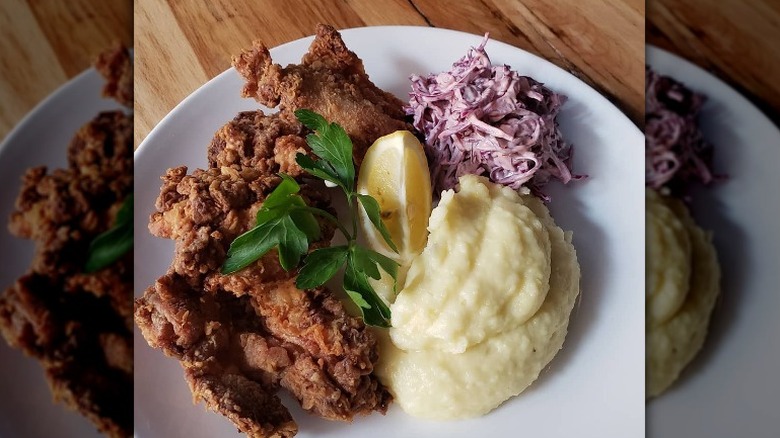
(731,388)
(41,138)
(594,387)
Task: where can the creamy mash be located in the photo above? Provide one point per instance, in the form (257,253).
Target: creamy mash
(485,306)
(682,283)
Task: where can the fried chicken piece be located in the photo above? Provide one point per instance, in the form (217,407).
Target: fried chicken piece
(116,67)
(331,81)
(243,402)
(254,325)
(230,361)
(267,143)
(78,324)
(203,212)
(334,353)
(211,333)
(314,320)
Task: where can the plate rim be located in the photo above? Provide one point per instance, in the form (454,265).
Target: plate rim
(736,102)
(26,123)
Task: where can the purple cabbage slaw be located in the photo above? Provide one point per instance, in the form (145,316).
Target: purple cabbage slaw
(481,119)
(676,153)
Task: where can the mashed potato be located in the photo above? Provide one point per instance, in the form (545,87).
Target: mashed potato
(682,283)
(484,308)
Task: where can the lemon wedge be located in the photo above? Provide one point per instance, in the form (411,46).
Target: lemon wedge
(395,172)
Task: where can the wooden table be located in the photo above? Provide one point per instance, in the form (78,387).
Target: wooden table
(44,43)
(180,45)
(737,40)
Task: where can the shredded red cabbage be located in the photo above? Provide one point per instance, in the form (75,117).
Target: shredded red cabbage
(676,153)
(483,119)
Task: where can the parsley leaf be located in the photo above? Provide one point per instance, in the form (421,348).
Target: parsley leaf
(320,169)
(332,144)
(111,245)
(320,266)
(375,311)
(283,222)
(370,261)
(249,247)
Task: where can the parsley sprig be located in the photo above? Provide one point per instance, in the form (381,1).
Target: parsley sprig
(287,223)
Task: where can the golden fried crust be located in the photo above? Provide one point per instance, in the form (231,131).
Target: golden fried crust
(316,324)
(256,412)
(266,143)
(314,320)
(116,67)
(331,81)
(215,332)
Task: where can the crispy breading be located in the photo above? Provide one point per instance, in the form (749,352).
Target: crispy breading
(331,81)
(223,349)
(267,143)
(334,353)
(203,212)
(217,335)
(244,402)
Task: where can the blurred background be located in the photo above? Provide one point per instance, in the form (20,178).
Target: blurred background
(727,52)
(49,95)
(736,40)
(44,43)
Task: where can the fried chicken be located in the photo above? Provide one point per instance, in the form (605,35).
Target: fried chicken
(223,349)
(244,336)
(331,81)
(78,324)
(263,142)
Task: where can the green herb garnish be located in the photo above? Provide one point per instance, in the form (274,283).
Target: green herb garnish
(111,245)
(286,223)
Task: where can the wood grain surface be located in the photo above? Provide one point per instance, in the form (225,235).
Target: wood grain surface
(737,40)
(180,45)
(44,43)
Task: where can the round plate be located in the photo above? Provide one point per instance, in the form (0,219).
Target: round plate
(594,387)
(41,138)
(731,387)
